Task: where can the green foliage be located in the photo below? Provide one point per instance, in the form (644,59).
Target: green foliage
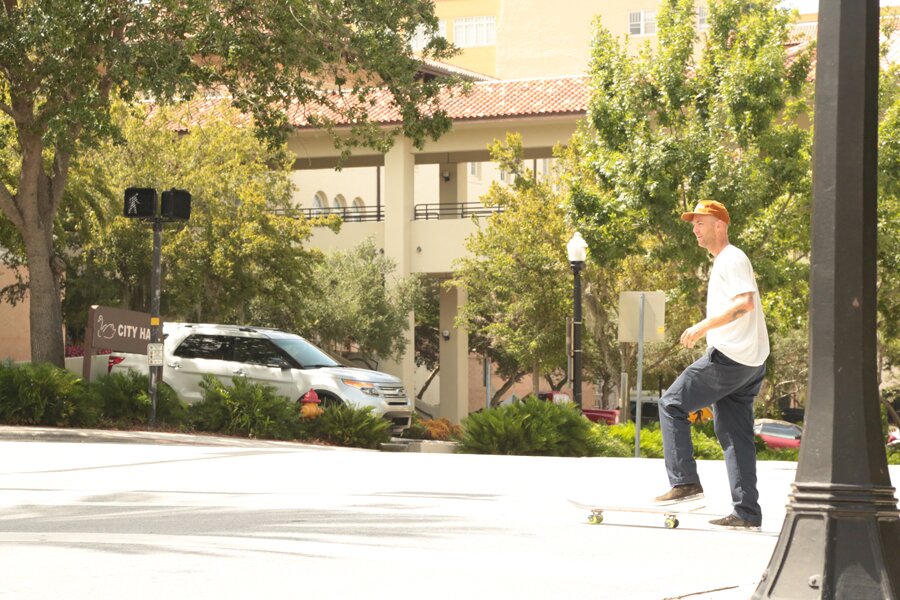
(350,426)
(61,64)
(609,444)
(785,454)
(245,409)
(236,258)
(530,427)
(893,456)
(367,306)
(706,447)
(441,430)
(676,124)
(125,401)
(43,394)
(516,266)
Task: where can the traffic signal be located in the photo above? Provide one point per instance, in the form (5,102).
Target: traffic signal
(176,204)
(140,203)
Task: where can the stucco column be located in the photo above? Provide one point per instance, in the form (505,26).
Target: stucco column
(398,215)
(448,182)
(454,358)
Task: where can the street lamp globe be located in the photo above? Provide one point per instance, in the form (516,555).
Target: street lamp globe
(577,248)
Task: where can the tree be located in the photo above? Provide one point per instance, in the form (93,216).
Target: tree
(517,276)
(233,256)
(361,306)
(679,123)
(61,63)
(889,212)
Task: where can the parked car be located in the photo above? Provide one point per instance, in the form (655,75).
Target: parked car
(284,361)
(893,439)
(778,434)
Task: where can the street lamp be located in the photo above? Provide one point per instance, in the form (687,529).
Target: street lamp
(577,251)
(841,532)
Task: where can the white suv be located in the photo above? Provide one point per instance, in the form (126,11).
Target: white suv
(284,361)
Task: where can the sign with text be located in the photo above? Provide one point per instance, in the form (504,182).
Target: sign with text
(118,329)
(654,316)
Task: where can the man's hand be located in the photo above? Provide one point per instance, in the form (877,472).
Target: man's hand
(694,333)
(740,306)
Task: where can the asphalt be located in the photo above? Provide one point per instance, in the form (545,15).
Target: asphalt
(533,512)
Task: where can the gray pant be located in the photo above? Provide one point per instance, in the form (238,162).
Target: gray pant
(729,388)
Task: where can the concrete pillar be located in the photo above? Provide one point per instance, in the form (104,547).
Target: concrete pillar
(399,200)
(448,184)
(454,358)
(462,182)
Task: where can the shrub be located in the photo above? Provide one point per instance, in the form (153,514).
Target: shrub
(43,394)
(441,430)
(417,429)
(530,427)
(706,447)
(245,409)
(125,400)
(350,426)
(608,444)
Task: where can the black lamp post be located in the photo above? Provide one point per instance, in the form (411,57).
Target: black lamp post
(577,251)
(841,533)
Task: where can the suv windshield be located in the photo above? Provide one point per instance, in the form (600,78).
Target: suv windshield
(306,355)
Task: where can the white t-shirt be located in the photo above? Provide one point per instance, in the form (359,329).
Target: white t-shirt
(744,340)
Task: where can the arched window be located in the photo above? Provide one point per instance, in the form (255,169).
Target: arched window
(356,209)
(320,201)
(340,201)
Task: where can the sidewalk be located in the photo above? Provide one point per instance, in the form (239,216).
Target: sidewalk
(405,524)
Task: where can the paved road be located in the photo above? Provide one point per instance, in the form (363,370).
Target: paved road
(183,517)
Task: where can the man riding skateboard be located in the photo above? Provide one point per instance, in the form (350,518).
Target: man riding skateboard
(726,378)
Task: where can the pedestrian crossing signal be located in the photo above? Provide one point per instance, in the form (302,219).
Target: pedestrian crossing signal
(140,203)
(176,204)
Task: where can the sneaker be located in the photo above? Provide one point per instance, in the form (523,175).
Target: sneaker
(734,522)
(681,493)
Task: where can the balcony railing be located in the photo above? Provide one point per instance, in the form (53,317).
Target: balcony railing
(460,210)
(348,214)
(422,212)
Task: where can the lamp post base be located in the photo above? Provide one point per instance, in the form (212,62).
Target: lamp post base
(837,542)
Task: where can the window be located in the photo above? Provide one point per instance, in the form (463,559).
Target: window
(256,351)
(421,38)
(474,31)
(702,17)
(475,169)
(202,346)
(642,22)
(340,201)
(320,201)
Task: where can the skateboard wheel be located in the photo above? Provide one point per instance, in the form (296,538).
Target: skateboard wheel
(595,519)
(671,522)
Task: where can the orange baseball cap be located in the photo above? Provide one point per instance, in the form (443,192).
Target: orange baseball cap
(708,207)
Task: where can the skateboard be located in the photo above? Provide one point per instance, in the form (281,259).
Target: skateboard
(670,512)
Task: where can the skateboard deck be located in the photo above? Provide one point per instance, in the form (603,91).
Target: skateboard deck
(670,512)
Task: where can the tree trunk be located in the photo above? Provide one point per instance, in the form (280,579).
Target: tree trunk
(32,211)
(498,395)
(428,381)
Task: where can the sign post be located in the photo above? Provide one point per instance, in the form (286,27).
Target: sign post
(142,203)
(114,329)
(641,318)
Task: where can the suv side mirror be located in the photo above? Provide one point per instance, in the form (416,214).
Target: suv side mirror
(278,363)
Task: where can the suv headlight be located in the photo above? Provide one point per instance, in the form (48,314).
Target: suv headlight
(364,386)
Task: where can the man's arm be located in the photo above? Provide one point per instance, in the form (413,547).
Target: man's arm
(740,305)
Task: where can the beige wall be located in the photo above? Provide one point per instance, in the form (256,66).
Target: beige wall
(481,59)
(539,38)
(15,331)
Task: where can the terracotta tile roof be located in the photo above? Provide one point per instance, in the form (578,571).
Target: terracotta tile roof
(485,100)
